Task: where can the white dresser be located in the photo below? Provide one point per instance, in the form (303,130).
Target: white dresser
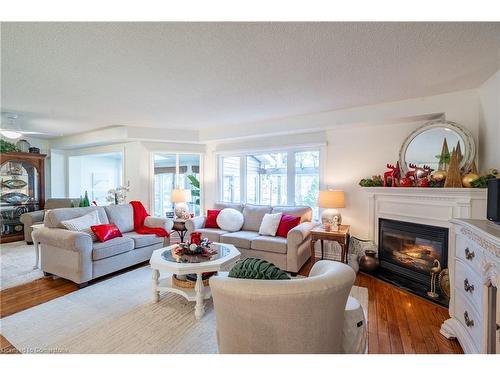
(474,264)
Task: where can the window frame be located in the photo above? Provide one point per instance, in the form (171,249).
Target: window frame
(321,148)
(177,158)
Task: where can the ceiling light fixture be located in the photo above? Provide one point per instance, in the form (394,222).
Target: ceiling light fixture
(11,134)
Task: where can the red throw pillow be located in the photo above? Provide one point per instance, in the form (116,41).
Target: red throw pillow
(106,232)
(211,221)
(287,223)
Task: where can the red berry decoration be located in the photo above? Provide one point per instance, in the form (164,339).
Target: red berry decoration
(423,183)
(405,182)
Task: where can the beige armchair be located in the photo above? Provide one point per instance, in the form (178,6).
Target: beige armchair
(304,315)
(36,217)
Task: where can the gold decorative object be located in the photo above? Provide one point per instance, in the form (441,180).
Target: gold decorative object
(444,282)
(435,270)
(439,175)
(443,162)
(468,178)
(459,153)
(453,177)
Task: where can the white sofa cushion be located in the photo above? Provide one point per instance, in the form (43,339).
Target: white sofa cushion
(230,220)
(253,215)
(83,223)
(115,246)
(270,244)
(241,240)
(213,234)
(270,223)
(143,240)
(122,215)
(305,212)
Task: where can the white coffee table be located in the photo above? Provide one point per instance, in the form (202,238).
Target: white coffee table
(163,261)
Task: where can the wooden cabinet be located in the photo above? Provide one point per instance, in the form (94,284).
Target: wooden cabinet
(22,189)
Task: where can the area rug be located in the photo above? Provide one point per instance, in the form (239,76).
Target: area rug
(117,316)
(16,264)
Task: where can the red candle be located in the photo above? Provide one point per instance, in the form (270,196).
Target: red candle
(196,238)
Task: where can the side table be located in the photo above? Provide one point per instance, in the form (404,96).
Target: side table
(180,228)
(341,237)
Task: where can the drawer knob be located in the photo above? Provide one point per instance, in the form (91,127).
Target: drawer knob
(469,255)
(468,287)
(468,321)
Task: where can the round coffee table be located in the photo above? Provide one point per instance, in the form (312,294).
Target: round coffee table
(169,264)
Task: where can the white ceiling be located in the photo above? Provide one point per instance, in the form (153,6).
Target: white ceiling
(72,77)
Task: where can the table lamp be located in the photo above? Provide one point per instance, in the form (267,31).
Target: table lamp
(180,197)
(332,200)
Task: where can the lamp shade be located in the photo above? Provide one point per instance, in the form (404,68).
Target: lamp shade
(181,195)
(331,199)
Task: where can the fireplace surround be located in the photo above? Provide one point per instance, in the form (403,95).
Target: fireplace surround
(427,206)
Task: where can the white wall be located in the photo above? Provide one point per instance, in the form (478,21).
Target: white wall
(360,152)
(137,165)
(489,123)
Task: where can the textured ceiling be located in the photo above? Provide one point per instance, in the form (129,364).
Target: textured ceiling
(71,77)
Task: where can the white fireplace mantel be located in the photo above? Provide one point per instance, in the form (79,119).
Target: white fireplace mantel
(431,206)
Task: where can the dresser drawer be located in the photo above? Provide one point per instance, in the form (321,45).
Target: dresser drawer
(468,282)
(469,318)
(470,253)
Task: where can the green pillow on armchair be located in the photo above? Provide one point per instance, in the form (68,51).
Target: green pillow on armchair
(253,268)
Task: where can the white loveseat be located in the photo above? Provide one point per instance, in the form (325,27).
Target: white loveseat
(76,257)
(288,253)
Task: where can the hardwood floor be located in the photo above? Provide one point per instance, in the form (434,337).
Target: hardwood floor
(398,322)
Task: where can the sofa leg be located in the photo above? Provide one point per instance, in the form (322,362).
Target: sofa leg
(293,274)
(46,274)
(29,242)
(83,285)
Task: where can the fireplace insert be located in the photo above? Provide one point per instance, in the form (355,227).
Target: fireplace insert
(407,253)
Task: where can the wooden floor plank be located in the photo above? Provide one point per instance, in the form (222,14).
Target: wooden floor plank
(398,322)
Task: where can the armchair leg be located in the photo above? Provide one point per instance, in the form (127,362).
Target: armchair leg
(46,274)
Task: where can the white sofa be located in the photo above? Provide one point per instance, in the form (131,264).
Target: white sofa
(74,256)
(304,315)
(288,253)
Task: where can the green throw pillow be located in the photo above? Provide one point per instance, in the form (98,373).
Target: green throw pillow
(252,268)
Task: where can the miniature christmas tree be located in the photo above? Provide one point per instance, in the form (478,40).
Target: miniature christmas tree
(453,177)
(444,157)
(86,202)
(459,153)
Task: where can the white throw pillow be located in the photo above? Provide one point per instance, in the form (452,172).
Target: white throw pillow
(270,224)
(230,219)
(83,223)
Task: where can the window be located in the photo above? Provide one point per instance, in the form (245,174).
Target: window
(307,179)
(267,178)
(171,171)
(272,178)
(95,174)
(231,179)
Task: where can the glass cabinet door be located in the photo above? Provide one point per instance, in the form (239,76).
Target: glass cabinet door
(19,193)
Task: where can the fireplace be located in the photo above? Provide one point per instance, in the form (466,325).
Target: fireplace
(407,252)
